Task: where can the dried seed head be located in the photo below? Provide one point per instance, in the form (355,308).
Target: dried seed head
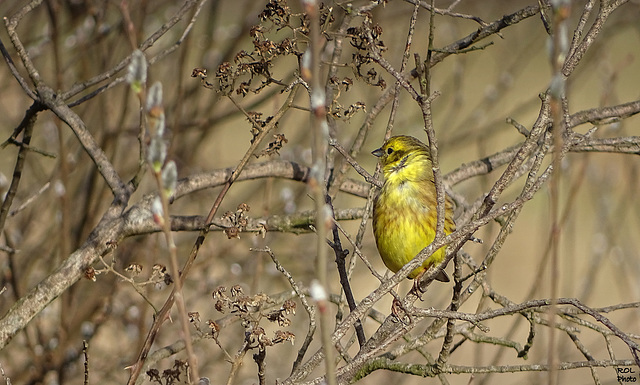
(90,273)
(194,317)
(232,232)
(219,292)
(236,290)
(199,73)
(134,269)
(289,306)
(243,207)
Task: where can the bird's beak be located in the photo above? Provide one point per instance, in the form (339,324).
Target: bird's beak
(379,152)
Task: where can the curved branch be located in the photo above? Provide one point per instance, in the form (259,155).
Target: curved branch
(121,192)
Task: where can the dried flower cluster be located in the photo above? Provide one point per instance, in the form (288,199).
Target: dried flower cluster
(240,76)
(250,310)
(159,276)
(274,146)
(279,316)
(169,376)
(257,123)
(237,221)
(364,37)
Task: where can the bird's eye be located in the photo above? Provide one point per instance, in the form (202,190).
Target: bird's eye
(389,150)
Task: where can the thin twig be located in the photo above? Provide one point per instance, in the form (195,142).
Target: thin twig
(341,255)
(27,125)
(356,166)
(311,310)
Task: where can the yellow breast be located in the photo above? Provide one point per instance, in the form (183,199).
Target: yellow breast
(404,224)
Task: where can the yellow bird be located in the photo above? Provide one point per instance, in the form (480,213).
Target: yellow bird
(404,212)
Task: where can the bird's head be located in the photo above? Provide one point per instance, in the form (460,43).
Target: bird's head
(399,151)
